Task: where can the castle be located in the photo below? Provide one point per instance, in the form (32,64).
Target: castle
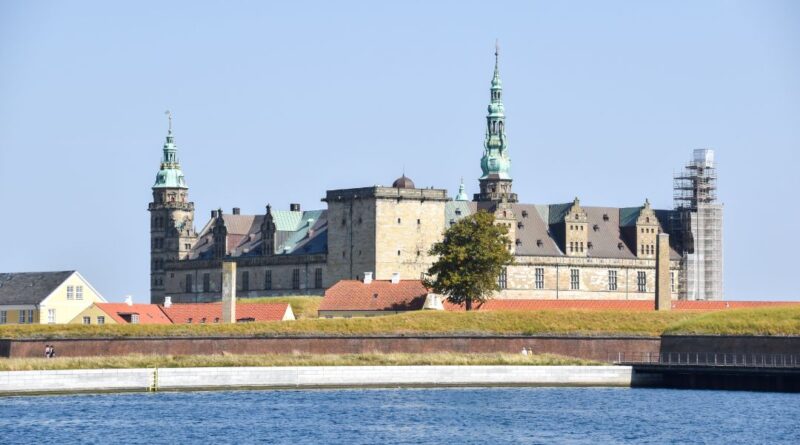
(562,251)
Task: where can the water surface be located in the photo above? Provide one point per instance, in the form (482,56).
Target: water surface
(407,416)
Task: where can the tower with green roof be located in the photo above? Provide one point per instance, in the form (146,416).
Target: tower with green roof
(495,181)
(172,232)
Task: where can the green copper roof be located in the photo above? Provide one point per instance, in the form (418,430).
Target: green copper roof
(462,193)
(495,161)
(170,174)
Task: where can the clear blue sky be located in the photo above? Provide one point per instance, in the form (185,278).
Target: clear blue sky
(279,102)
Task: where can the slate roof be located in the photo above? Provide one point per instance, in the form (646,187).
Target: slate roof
(297,233)
(540,228)
(29,288)
(380,295)
(148,313)
(195,313)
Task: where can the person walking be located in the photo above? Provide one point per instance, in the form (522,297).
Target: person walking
(46,351)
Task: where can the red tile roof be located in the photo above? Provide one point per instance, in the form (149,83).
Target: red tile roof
(627,305)
(181,313)
(148,313)
(380,295)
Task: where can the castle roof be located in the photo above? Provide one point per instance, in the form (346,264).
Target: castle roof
(297,232)
(540,228)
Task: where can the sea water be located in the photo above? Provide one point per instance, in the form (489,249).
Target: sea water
(407,416)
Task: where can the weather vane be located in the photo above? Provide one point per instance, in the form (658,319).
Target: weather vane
(169,117)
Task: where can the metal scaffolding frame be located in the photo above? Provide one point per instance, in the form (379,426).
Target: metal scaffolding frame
(697,220)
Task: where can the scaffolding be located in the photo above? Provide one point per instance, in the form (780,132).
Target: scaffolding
(697,222)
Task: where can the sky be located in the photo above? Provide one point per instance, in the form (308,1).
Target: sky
(276,102)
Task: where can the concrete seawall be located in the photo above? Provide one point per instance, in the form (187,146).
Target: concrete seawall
(97,380)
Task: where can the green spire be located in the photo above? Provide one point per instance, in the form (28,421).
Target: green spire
(169,174)
(495,160)
(462,193)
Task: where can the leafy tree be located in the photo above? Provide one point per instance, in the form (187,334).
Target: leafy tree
(471,257)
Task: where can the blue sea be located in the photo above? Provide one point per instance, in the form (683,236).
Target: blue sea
(407,416)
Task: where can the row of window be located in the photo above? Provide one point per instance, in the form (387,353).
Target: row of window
(648,230)
(575,280)
(245,280)
(102,320)
(75,292)
(647,249)
(25,316)
(576,227)
(576,246)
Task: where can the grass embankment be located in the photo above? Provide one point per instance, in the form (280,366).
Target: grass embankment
(202,361)
(757,321)
(422,323)
(302,306)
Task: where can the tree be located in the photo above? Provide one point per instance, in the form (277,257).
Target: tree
(471,257)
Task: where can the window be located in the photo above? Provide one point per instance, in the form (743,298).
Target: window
(296,279)
(188,283)
(135,318)
(245,280)
(22,316)
(502,280)
(206,282)
(101,319)
(70,292)
(574,279)
(571,246)
(51,316)
(79,292)
(539,278)
(268,280)
(3,317)
(612,280)
(30,315)
(87,320)
(672,281)
(398,220)
(641,281)
(419,221)
(318,278)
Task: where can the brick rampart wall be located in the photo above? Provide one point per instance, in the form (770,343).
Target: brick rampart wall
(595,348)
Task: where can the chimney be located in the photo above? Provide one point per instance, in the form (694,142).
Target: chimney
(294,207)
(433,303)
(213,214)
(236,210)
(367,277)
(129,300)
(228,292)
(395,277)
(167,301)
(663,298)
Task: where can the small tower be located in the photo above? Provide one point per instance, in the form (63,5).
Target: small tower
(576,228)
(647,229)
(268,233)
(462,193)
(495,182)
(172,232)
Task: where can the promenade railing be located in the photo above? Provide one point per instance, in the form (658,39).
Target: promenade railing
(720,359)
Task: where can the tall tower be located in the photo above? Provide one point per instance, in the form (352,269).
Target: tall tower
(697,220)
(172,231)
(495,183)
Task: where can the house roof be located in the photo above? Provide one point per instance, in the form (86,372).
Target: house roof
(624,305)
(148,313)
(380,295)
(29,288)
(212,312)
